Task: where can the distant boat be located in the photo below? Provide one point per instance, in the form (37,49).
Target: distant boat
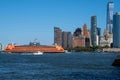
(66,51)
(38,53)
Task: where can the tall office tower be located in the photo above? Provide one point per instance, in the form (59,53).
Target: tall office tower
(69,41)
(94,30)
(116,30)
(64,39)
(87,35)
(110,11)
(57,36)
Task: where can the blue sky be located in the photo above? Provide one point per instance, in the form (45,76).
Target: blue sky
(22,21)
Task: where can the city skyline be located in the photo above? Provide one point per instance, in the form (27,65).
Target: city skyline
(26,20)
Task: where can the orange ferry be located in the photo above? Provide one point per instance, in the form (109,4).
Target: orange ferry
(33,48)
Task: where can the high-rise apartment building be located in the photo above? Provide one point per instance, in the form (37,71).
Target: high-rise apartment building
(116,30)
(66,39)
(85,31)
(57,36)
(63,39)
(110,12)
(94,30)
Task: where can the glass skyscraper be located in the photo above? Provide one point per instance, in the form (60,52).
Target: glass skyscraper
(94,30)
(116,30)
(110,11)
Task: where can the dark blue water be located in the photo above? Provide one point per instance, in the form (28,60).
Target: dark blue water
(74,66)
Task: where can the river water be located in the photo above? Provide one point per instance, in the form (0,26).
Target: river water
(72,66)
